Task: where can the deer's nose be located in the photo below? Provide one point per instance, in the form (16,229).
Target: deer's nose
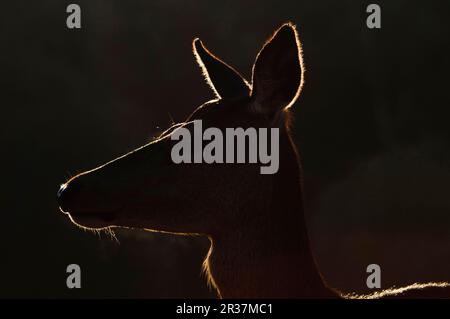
(67,195)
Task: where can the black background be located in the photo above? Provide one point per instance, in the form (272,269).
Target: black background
(371,124)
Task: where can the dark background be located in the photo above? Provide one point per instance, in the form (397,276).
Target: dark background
(372,126)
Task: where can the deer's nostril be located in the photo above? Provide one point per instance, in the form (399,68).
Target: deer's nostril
(67,194)
(61,189)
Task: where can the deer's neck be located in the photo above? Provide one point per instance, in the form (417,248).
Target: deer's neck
(270,258)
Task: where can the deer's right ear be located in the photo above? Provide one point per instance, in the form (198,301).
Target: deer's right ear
(225,81)
(278,72)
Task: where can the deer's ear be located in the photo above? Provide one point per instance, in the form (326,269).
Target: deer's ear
(278,72)
(225,81)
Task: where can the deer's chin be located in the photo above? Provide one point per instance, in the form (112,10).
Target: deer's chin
(94,220)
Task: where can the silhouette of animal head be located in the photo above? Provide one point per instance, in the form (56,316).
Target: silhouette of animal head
(146,189)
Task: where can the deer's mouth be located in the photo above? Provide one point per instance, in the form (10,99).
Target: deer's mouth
(93,219)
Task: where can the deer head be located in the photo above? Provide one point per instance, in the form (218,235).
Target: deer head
(146,189)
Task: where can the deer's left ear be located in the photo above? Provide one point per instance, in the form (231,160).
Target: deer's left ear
(225,81)
(278,72)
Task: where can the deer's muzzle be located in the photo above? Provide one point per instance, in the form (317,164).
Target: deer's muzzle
(83,206)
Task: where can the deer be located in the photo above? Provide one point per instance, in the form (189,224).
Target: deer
(259,243)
